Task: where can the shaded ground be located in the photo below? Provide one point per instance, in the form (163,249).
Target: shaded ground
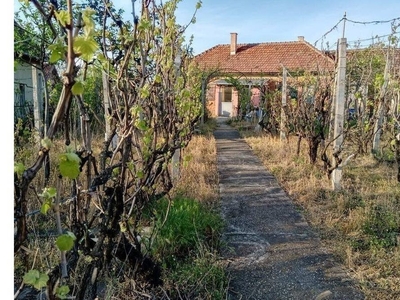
(272,251)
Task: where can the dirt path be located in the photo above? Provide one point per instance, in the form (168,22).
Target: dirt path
(272,251)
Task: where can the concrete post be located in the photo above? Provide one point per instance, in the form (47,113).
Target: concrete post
(339,111)
(37,103)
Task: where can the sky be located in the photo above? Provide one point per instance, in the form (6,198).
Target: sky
(259,21)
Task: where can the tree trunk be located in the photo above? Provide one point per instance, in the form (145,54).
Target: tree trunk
(107,110)
(313,144)
(298,145)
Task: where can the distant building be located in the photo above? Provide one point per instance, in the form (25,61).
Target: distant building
(256,65)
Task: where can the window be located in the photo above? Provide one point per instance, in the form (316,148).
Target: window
(227,94)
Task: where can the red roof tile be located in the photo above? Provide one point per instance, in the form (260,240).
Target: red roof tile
(266,58)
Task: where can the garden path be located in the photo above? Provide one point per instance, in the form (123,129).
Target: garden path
(272,252)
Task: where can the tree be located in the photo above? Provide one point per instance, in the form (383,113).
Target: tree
(308,112)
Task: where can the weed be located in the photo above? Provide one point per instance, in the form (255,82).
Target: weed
(382,226)
(180,226)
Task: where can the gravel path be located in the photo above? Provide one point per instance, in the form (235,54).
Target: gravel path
(272,251)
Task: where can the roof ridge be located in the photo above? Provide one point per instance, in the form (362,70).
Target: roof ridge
(260,43)
(208,50)
(317,51)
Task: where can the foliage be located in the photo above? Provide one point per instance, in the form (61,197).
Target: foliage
(36,279)
(31,35)
(365,69)
(153,95)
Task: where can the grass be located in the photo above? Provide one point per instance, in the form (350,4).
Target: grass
(360,223)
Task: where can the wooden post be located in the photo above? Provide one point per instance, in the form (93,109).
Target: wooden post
(284,97)
(203,98)
(339,111)
(107,110)
(380,114)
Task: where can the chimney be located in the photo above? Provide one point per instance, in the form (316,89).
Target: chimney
(300,38)
(233,43)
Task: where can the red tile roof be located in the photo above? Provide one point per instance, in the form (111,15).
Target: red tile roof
(266,58)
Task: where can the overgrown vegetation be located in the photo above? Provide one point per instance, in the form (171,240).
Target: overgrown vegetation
(360,223)
(181,232)
(82,201)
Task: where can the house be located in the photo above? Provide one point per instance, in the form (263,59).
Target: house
(255,65)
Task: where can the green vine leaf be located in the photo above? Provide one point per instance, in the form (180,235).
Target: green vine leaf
(85,46)
(88,20)
(36,279)
(140,174)
(62,17)
(141,124)
(65,242)
(198,4)
(62,292)
(77,88)
(48,193)
(47,204)
(57,52)
(19,168)
(46,143)
(69,165)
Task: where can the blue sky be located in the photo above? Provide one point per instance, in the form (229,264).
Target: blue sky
(258,21)
(281,20)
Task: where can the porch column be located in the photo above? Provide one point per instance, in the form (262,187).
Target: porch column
(217,100)
(235,102)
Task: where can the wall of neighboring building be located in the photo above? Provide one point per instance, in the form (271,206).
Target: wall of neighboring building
(23,91)
(29,87)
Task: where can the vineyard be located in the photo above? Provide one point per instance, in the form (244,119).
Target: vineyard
(114,158)
(92,166)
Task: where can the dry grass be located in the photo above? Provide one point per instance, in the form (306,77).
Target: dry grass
(368,203)
(198,176)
